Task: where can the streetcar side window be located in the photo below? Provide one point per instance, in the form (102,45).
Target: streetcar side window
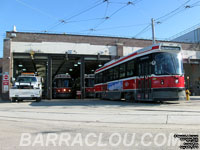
(105,76)
(100,77)
(130,68)
(122,71)
(110,74)
(140,69)
(96,78)
(116,73)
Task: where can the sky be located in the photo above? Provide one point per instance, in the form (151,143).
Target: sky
(118,18)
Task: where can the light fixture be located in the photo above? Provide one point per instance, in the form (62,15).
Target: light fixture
(100,65)
(20,65)
(75,65)
(24,69)
(79,62)
(70,69)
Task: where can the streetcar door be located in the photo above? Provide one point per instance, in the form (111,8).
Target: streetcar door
(144,82)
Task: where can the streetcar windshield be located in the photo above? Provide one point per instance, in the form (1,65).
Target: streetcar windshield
(168,64)
(62,83)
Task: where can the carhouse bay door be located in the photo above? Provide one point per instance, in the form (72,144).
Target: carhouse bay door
(144,81)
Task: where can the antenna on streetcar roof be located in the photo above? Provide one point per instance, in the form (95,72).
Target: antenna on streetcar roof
(153,31)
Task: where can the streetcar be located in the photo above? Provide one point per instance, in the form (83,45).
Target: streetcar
(62,86)
(154,73)
(89,86)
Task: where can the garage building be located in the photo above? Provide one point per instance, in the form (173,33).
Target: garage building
(51,54)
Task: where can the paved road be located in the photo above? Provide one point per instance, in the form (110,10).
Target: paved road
(95,124)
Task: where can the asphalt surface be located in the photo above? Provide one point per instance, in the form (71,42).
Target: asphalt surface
(97,124)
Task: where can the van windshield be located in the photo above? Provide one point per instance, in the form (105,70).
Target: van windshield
(26,79)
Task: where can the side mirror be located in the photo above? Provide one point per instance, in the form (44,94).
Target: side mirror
(13,80)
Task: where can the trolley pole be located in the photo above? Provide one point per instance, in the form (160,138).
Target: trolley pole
(153,31)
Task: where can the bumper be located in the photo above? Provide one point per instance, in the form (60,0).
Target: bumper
(63,95)
(169,94)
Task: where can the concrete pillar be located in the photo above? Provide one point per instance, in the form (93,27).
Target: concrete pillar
(49,78)
(7,65)
(119,49)
(82,78)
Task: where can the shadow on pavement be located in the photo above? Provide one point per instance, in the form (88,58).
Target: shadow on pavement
(95,103)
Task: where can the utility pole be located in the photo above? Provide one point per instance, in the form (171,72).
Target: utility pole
(153,31)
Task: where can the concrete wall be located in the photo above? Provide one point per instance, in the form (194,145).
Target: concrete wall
(1,63)
(7,61)
(62,48)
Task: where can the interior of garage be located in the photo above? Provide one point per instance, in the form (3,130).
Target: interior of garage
(49,65)
(192,77)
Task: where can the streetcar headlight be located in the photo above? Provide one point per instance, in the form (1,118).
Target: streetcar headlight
(176,81)
(162,82)
(69,90)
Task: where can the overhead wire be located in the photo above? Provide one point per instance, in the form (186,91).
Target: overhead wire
(172,13)
(165,17)
(143,30)
(65,20)
(109,17)
(36,9)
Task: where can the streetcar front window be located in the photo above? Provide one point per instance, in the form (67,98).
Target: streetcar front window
(168,64)
(62,83)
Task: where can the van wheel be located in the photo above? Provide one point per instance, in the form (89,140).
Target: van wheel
(13,100)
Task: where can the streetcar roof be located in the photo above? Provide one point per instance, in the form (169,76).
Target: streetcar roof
(160,47)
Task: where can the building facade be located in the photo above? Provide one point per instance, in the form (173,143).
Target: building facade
(51,54)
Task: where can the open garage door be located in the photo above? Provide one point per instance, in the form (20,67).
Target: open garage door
(49,66)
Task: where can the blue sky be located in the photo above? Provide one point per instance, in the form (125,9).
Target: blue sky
(99,17)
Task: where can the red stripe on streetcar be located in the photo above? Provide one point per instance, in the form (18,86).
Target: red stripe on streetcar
(127,57)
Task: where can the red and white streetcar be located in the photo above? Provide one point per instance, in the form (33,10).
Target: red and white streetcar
(154,73)
(89,85)
(62,86)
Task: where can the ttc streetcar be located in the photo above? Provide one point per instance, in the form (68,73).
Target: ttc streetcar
(62,86)
(154,73)
(89,86)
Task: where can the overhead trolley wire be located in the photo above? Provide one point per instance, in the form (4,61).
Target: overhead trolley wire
(36,9)
(108,17)
(165,17)
(143,30)
(65,20)
(172,13)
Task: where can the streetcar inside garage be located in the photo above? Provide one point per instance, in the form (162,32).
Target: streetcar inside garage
(48,66)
